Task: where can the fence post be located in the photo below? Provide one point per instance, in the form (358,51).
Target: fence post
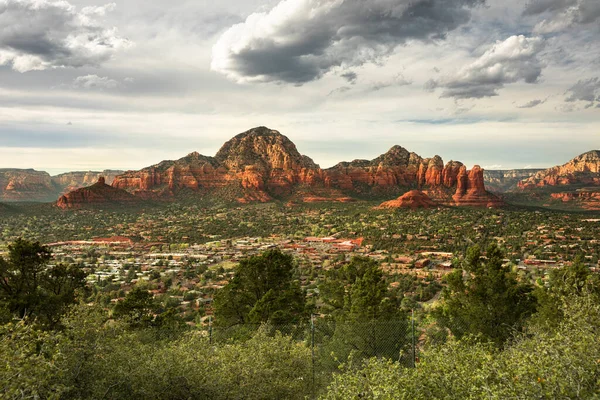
(312,349)
(210,329)
(414,346)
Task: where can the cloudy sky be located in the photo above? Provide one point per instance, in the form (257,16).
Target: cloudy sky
(92,85)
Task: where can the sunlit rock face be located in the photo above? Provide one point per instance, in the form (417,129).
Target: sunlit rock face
(262,164)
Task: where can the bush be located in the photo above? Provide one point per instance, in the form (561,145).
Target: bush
(560,364)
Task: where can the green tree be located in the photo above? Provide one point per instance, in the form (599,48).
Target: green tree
(262,289)
(485,298)
(29,287)
(574,280)
(366,317)
(138,307)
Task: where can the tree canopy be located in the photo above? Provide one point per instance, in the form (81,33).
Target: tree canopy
(263,289)
(484,297)
(29,286)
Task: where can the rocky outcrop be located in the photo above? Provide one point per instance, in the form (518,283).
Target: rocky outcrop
(98,194)
(576,182)
(413,200)
(586,199)
(385,174)
(70,181)
(39,186)
(582,170)
(26,185)
(262,164)
(470,189)
(261,161)
(502,181)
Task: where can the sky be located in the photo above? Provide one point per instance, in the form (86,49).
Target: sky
(89,85)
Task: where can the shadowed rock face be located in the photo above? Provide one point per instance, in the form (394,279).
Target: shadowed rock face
(589,200)
(26,185)
(502,181)
(98,194)
(583,169)
(32,185)
(70,181)
(576,183)
(262,164)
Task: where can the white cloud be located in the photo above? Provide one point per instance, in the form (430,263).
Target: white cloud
(42,34)
(301,40)
(563,14)
(512,60)
(587,90)
(95,82)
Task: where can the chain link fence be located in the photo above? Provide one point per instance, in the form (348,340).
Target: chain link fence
(336,344)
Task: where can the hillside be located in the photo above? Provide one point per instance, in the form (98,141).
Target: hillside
(262,164)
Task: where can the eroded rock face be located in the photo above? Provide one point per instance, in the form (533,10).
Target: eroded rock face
(588,200)
(583,169)
(26,185)
(263,164)
(502,181)
(260,160)
(470,190)
(98,194)
(70,181)
(413,199)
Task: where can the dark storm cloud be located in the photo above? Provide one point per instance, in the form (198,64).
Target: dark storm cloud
(300,40)
(512,60)
(532,103)
(351,77)
(42,34)
(585,90)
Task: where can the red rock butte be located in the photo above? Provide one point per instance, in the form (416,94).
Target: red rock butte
(97,194)
(262,164)
(413,199)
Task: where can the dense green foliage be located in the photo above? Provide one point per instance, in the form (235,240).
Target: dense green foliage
(502,336)
(96,357)
(565,283)
(31,287)
(263,289)
(562,363)
(485,298)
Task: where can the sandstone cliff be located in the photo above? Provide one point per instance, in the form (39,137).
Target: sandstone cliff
(261,161)
(586,199)
(583,170)
(502,181)
(98,194)
(70,181)
(262,164)
(26,185)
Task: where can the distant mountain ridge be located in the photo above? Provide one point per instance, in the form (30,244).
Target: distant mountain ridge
(575,184)
(501,181)
(583,169)
(31,185)
(262,164)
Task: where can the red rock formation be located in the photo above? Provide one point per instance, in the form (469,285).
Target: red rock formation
(261,161)
(263,164)
(26,185)
(413,199)
(70,181)
(586,199)
(394,169)
(470,189)
(98,194)
(583,169)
